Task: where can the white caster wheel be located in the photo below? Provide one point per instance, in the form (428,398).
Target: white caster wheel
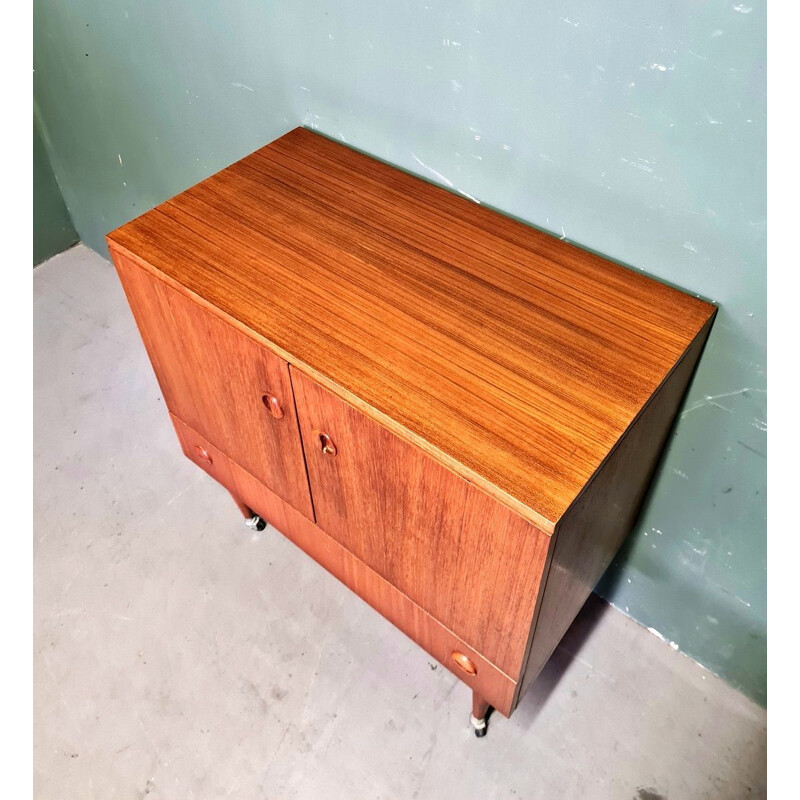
(478,725)
(255,523)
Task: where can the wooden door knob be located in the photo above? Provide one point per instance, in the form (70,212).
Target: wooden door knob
(273,404)
(464,663)
(203,454)
(326,444)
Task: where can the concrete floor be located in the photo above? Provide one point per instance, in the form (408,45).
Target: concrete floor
(177,655)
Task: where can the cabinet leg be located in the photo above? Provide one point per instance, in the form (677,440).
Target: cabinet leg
(480,713)
(251,519)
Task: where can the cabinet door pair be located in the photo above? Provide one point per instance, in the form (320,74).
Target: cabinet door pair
(466,560)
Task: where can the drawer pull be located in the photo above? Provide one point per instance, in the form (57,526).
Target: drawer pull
(273,404)
(464,663)
(327,445)
(203,454)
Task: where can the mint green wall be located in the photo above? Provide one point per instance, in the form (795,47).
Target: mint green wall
(52,228)
(636,129)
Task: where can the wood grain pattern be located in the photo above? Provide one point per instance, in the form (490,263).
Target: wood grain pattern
(468,561)
(479,706)
(488,681)
(215,378)
(590,533)
(515,359)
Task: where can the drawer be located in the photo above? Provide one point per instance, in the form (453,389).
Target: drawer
(448,649)
(198,449)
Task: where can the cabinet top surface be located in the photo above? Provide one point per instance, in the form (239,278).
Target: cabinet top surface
(517,358)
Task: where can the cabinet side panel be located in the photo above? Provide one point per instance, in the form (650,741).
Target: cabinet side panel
(468,561)
(595,526)
(223,384)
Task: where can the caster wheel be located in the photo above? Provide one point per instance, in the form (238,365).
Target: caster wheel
(255,523)
(479,726)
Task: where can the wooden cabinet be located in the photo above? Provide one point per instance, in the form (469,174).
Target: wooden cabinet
(455,414)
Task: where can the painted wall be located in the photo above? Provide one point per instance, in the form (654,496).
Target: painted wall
(52,228)
(634,129)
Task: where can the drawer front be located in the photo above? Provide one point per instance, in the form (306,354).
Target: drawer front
(209,458)
(445,646)
(220,382)
(455,552)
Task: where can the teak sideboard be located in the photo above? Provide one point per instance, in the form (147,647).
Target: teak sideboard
(455,414)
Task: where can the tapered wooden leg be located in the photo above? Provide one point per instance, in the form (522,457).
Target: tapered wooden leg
(247,512)
(480,709)
(251,519)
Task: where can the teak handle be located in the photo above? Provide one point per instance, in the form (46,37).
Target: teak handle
(273,404)
(326,443)
(203,454)
(464,662)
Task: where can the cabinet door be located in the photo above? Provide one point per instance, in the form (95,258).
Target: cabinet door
(220,382)
(469,562)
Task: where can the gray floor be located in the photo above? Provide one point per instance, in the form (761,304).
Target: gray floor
(178,655)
